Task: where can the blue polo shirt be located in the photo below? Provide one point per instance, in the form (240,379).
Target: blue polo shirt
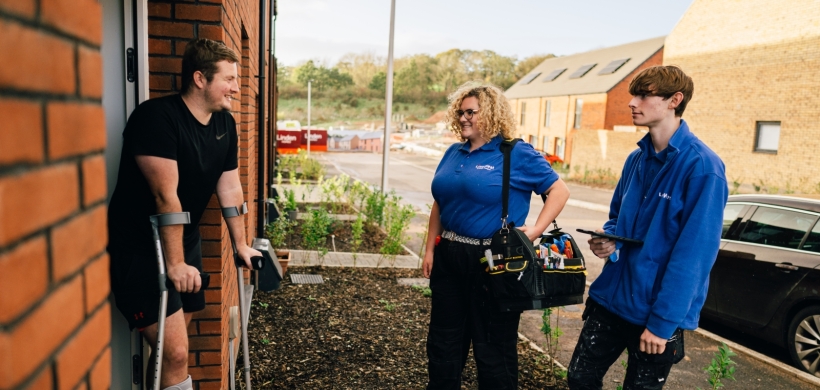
(467,186)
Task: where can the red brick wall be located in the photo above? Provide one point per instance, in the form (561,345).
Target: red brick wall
(55,320)
(236,22)
(617,99)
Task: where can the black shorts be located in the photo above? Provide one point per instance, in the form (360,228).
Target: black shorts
(134,282)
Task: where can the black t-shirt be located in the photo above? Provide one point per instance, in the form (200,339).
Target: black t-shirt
(164,127)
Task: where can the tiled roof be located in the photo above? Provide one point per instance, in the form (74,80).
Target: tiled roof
(568,82)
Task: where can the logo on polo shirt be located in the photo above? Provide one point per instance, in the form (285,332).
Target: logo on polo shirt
(485,167)
(664,195)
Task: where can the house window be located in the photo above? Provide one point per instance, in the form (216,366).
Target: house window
(546,144)
(579,107)
(533,140)
(767,138)
(523,112)
(559,147)
(547,110)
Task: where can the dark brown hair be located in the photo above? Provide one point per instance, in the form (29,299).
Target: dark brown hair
(202,55)
(664,81)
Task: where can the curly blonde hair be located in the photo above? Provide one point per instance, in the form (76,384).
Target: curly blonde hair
(496,116)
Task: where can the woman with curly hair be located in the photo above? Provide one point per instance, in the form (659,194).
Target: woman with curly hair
(466,212)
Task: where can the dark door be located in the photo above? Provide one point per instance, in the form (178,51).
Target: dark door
(759,269)
(732,217)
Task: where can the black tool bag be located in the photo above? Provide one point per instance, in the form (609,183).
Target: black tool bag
(519,279)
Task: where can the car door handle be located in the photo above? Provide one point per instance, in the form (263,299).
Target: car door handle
(786,266)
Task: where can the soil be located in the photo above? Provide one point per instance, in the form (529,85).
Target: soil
(372,238)
(360,329)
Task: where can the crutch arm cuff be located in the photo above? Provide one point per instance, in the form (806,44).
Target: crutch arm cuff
(235,211)
(166,219)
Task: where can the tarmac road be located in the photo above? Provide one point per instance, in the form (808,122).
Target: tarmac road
(411,175)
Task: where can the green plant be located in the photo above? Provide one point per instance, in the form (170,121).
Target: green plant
(759,187)
(387,305)
(265,341)
(333,190)
(551,333)
(358,193)
(311,168)
(735,186)
(264,305)
(315,229)
(374,207)
(311,298)
(289,199)
(624,365)
(356,231)
(396,221)
(425,291)
(423,235)
(722,367)
(278,231)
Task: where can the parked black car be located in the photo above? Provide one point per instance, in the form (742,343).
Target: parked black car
(766,280)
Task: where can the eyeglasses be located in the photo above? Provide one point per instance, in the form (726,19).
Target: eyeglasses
(468,113)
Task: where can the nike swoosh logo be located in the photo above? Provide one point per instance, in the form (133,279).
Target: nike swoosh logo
(219,137)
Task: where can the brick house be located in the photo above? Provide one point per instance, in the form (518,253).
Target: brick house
(372,141)
(585,91)
(755,101)
(71,72)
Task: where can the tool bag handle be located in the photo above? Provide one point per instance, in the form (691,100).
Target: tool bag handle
(506,149)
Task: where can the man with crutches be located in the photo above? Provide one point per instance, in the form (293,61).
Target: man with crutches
(177,151)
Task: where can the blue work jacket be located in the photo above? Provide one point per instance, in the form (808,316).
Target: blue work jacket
(662,284)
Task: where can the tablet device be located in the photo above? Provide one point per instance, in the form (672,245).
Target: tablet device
(611,236)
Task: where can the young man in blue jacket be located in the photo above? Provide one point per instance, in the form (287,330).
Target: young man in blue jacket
(671,196)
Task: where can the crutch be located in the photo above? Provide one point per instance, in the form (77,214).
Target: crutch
(257,262)
(158,220)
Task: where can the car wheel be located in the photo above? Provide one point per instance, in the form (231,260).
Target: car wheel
(804,340)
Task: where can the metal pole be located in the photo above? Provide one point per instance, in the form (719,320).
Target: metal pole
(308,130)
(388,107)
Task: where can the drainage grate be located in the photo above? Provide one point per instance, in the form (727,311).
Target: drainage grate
(306,279)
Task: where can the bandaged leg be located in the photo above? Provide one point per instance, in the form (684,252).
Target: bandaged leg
(187,384)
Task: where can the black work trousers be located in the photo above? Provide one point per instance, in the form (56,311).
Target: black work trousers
(462,314)
(603,338)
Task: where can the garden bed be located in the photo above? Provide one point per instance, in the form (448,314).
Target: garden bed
(372,238)
(357,330)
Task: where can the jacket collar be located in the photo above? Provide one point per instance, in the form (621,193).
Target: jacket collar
(680,140)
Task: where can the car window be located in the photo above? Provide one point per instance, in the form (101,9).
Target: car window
(777,227)
(813,241)
(731,217)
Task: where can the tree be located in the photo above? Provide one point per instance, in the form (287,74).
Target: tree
(378,82)
(322,78)
(523,67)
(415,77)
(361,67)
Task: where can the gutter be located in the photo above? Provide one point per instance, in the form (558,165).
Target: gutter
(260,128)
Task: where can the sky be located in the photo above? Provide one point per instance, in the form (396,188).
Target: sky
(325,30)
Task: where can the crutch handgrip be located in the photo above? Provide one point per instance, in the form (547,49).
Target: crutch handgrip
(257,262)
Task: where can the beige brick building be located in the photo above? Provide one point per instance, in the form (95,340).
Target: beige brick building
(586,91)
(756,69)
